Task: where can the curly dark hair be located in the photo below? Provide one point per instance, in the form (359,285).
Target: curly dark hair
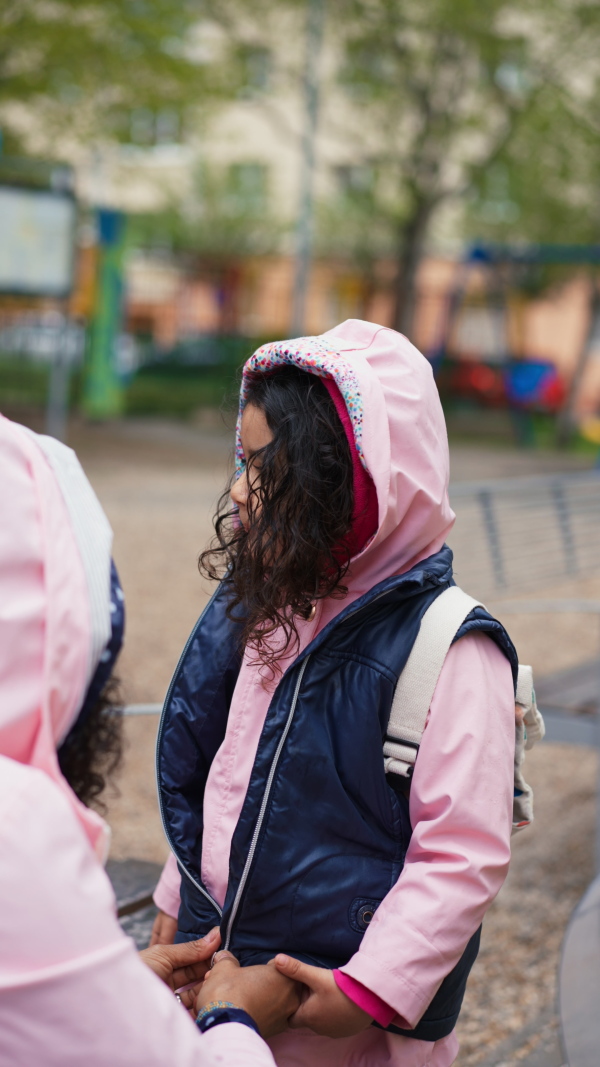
(300,503)
(93,749)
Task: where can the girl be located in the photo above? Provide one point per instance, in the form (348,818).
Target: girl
(283,825)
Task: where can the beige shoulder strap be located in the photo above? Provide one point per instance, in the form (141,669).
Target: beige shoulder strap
(416,684)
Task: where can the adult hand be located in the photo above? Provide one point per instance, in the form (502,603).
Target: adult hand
(261,991)
(178,965)
(324,1008)
(164,929)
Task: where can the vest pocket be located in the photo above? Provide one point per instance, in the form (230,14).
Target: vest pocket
(335,902)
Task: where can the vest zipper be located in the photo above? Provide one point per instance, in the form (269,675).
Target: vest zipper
(265,799)
(263,807)
(182,866)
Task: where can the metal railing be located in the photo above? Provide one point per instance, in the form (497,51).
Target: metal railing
(525,533)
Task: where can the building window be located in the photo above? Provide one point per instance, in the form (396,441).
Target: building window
(148,128)
(247,186)
(255,69)
(356,179)
(167,126)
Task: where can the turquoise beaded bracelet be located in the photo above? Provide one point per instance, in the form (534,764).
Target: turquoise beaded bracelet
(214,1005)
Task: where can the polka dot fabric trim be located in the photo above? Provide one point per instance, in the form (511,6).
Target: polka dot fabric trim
(318,355)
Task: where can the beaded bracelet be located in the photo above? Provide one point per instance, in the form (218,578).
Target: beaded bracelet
(213,1005)
(222,1011)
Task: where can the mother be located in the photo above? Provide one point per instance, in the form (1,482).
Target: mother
(73,990)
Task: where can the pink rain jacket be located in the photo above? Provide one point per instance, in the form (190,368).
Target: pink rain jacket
(461,793)
(73,990)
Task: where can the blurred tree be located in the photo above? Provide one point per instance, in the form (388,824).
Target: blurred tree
(490,104)
(484,101)
(225,219)
(225,215)
(98,66)
(354,226)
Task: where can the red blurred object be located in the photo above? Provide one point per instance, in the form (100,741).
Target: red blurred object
(554,394)
(478,381)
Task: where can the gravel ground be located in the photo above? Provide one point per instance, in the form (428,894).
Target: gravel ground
(513,983)
(158,483)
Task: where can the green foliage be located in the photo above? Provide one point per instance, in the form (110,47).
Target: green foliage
(482,102)
(359,223)
(159,390)
(422,74)
(543,186)
(86,64)
(22,383)
(225,218)
(178,392)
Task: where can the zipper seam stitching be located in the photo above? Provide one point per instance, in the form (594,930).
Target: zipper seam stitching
(263,807)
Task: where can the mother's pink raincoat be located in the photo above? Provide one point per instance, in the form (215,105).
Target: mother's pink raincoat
(73,991)
(461,793)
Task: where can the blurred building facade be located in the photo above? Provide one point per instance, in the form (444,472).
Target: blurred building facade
(235,176)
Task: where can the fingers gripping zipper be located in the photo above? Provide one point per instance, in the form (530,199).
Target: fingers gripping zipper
(263,807)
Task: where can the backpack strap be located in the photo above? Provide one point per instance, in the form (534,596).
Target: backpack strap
(417,682)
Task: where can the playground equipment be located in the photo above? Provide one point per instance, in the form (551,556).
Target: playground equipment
(480,355)
(40,322)
(37,220)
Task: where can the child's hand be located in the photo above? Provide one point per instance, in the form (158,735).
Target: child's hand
(262,991)
(178,965)
(163,930)
(324,1008)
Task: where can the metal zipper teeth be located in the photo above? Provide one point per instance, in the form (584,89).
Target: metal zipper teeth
(198,886)
(263,807)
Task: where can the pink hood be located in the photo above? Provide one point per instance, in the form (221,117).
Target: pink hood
(53,623)
(399,430)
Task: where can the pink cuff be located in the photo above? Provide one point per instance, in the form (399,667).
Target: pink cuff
(364,998)
(166,894)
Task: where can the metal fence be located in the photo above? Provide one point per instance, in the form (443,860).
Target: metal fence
(525,533)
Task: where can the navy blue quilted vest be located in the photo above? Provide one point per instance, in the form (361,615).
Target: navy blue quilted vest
(323,832)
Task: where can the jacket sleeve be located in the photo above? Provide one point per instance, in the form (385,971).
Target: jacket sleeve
(73,989)
(166,896)
(461,812)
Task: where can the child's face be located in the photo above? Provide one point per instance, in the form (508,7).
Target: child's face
(255,435)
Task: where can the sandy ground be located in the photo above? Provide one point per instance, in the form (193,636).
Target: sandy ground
(158,484)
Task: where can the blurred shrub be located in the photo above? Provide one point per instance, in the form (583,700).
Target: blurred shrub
(178,391)
(196,373)
(202,372)
(22,383)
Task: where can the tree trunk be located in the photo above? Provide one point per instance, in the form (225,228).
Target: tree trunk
(411,241)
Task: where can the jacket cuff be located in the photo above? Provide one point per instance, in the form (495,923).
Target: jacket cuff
(235,1043)
(407,1002)
(365,998)
(166,896)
